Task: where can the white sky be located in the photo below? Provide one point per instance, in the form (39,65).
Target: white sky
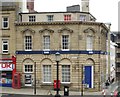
(105,11)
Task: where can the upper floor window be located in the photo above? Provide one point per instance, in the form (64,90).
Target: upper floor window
(65,73)
(50,18)
(32,18)
(28,43)
(67,17)
(65,42)
(82,17)
(89,42)
(46,73)
(5,22)
(5,46)
(46,42)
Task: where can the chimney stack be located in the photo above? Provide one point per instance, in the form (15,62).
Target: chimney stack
(30,5)
(85,5)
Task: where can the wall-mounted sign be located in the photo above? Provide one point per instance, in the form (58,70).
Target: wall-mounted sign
(6,66)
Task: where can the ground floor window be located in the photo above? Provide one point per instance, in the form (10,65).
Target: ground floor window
(28,80)
(65,73)
(46,73)
(6,77)
(28,68)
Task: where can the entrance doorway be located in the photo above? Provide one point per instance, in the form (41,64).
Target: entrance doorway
(88,76)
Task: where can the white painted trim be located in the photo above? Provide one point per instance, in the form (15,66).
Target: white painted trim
(4,21)
(28,84)
(65,82)
(92,76)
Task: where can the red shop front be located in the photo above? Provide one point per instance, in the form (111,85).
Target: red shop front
(7,70)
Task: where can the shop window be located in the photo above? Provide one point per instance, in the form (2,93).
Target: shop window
(5,46)
(6,77)
(5,22)
(65,73)
(46,73)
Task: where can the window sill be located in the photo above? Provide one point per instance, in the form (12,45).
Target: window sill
(65,49)
(89,50)
(5,28)
(65,82)
(27,72)
(46,49)
(47,83)
(5,53)
(28,50)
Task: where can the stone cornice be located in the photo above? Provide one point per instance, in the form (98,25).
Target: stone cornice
(56,23)
(61,23)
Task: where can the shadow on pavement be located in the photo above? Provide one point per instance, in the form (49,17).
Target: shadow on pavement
(21,95)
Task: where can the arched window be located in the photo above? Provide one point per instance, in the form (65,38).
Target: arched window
(46,71)
(65,71)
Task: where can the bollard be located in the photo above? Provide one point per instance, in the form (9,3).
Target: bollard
(111,94)
(103,93)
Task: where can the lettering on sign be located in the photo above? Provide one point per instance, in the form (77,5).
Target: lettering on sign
(6,66)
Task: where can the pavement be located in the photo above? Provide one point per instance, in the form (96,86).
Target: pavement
(30,91)
(39,91)
(18,95)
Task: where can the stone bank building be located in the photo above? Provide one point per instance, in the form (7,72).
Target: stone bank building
(80,43)
(80,40)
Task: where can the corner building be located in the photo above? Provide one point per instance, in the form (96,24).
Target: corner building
(81,44)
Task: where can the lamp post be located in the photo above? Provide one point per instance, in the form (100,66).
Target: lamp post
(57,57)
(82,88)
(35,78)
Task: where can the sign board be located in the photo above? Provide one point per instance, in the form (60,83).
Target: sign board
(6,66)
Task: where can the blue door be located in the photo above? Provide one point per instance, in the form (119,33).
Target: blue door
(88,76)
